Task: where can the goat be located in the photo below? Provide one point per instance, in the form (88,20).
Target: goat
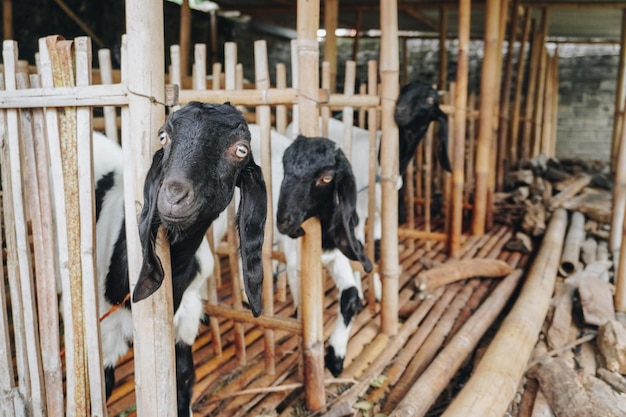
(417,106)
(205,155)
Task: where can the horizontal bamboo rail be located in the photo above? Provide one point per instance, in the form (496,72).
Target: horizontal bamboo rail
(287,324)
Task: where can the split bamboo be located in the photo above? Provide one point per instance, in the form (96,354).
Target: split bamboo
(262,77)
(460,122)
(496,378)
(152,318)
(487,106)
(389,165)
(620,96)
(311,273)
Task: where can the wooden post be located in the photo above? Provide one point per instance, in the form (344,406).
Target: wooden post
(311,288)
(443,50)
(487,105)
(184,37)
(620,95)
(152,318)
(514,141)
(390,89)
(460,121)
(331,16)
(505,99)
(262,76)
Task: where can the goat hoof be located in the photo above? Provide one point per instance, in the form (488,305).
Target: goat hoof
(334,363)
(350,304)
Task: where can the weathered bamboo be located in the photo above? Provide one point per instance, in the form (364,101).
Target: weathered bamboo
(348,112)
(311,274)
(428,182)
(533,68)
(434,379)
(325,113)
(496,378)
(331,18)
(460,270)
(262,77)
(199,67)
(620,96)
(460,122)
(514,141)
(7,19)
(281,110)
(619,210)
(362,112)
(7,377)
(152,318)
(538,110)
(487,105)
(184,36)
(471,148)
(573,242)
(372,122)
(548,99)
(106,74)
(569,191)
(446,177)
(389,165)
(505,99)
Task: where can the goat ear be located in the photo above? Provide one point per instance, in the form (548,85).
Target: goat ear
(442,148)
(151,275)
(251,223)
(344,217)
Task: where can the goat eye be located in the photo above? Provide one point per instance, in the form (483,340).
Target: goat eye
(164,138)
(325,179)
(241,151)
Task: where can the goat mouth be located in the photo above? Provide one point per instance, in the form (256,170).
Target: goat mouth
(171,220)
(293,233)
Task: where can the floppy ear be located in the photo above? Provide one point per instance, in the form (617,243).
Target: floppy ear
(344,217)
(151,275)
(442,148)
(251,224)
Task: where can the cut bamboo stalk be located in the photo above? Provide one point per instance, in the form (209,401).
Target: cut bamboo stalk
(471,149)
(331,18)
(199,67)
(460,122)
(538,109)
(325,109)
(262,77)
(428,183)
(348,112)
(106,73)
(514,139)
(460,270)
(431,383)
(496,378)
(184,36)
(536,50)
(281,110)
(573,242)
(569,191)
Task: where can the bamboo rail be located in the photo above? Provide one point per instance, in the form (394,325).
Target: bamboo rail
(496,378)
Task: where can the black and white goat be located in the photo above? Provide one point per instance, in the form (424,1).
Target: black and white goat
(205,155)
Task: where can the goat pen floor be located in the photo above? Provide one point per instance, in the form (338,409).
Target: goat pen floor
(226,387)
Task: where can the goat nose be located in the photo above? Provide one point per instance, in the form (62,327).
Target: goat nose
(177,192)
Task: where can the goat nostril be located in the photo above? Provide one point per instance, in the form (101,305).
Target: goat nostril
(177,192)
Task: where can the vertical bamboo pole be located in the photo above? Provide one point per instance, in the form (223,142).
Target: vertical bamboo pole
(106,76)
(184,37)
(535,51)
(348,111)
(443,50)
(618,218)
(487,122)
(262,76)
(174,68)
(152,318)
(230,63)
(331,17)
(555,102)
(7,19)
(428,180)
(390,89)
(620,95)
(355,39)
(281,110)
(372,124)
(517,99)
(199,67)
(312,290)
(404,59)
(471,146)
(362,111)
(505,100)
(538,113)
(445,176)
(295,113)
(460,122)
(546,130)
(324,108)
(213,24)
(7,377)
(22,250)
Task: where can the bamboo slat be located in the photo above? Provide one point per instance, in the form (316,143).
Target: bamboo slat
(496,378)
(372,124)
(152,318)
(460,122)
(262,76)
(106,72)
(281,110)
(348,112)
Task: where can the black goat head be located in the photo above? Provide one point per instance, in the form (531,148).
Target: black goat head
(319,182)
(416,107)
(205,154)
